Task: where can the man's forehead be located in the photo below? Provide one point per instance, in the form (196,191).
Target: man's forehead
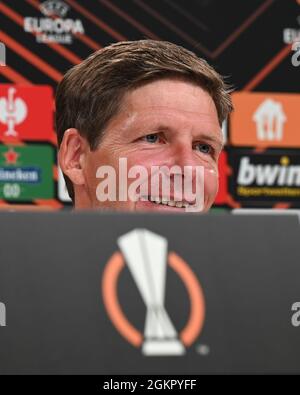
(170,104)
(165,118)
(182,95)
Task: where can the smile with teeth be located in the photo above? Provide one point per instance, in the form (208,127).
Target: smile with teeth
(167,202)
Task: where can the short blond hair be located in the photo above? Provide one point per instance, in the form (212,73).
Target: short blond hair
(91,92)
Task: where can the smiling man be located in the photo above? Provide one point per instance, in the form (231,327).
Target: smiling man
(147,105)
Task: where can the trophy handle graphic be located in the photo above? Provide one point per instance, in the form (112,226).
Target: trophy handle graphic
(145,254)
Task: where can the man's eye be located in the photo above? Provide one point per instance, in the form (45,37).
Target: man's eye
(204,148)
(151,138)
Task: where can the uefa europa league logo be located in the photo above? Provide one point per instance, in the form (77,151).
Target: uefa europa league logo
(146,256)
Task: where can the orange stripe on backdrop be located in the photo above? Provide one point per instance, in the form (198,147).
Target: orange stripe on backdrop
(88,41)
(129,19)
(186,14)
(118,36)
(8,141)
(85,39)
(55,172)
(30,57)
(282,205)
(50,203)
(66,53)
(24,207)
(57,47)
(171,26)
(263,73)
(229,40)
(14,76)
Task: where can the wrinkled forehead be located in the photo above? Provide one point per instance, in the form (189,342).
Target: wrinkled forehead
(170,93)
(165,106)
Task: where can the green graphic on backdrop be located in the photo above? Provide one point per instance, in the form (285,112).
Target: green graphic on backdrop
(26,172)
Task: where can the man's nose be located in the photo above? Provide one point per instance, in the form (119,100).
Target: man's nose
(184,155)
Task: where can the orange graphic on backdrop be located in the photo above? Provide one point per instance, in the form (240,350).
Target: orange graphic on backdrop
(265,120)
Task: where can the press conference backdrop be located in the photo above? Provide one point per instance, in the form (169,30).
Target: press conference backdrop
(254,43)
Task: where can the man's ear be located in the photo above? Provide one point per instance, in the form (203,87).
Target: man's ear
(72,154)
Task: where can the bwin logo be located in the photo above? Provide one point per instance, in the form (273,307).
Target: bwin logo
(282,174)
(2,314)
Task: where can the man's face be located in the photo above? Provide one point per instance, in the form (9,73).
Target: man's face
(168,123)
